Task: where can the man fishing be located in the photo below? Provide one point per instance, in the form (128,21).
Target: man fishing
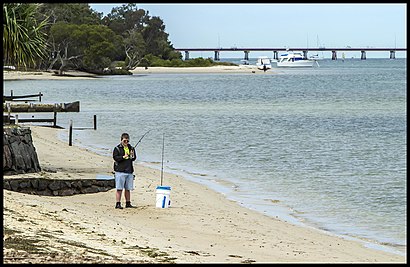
(124,156)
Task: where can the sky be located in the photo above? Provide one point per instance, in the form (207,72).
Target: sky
(265,25)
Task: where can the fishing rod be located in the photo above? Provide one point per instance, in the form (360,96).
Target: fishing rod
(139,141)
(162,159)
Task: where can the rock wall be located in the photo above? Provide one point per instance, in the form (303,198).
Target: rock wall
(20,156)
(50,187)
(19,153)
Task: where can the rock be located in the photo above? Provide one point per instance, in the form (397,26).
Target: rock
(19,153)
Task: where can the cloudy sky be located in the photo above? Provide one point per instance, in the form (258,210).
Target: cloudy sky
(280,25)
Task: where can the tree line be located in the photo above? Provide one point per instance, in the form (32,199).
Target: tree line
(57,36)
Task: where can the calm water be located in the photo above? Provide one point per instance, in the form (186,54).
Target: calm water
(323,147)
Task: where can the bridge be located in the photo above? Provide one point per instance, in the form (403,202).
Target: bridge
(303,49)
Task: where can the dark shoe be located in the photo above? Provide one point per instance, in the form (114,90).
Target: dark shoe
(118,205)
(128,205)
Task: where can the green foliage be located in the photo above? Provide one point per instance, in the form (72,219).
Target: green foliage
(125,18)
(75,36)
(79,13)
(120,72)
(95,43)
(24,41)
(155,37)
(147,34)
(155,61)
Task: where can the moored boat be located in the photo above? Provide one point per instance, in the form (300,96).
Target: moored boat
(294,59)
(263,63)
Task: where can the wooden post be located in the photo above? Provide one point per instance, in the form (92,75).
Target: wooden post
(70,134)
(55,120)
(9,110)
(39,96)
(95,122)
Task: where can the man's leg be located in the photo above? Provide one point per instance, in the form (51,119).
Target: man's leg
(127,194)
(118,199)
(118,195)
(128,187)
(119,183)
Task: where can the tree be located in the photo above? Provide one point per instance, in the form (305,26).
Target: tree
(60,35)
(131,22)
(78,13)
(88,47)
(54,13)
(74,36)
(101,45)
(156,38)
(135,49)
(125,18)
(24,41)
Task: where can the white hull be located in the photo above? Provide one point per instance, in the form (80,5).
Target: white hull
(263,63)
(293,59)
(268,66)
(298,63)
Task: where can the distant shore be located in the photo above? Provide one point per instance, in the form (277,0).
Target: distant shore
(213,69)
(44,75)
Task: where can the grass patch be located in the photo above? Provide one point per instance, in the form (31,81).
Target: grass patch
(7,231)
(154,253)
(22,243)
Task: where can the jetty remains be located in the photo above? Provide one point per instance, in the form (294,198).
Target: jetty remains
(42,107)
(10,108)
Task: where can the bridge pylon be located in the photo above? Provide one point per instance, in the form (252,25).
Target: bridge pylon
(216,58)
(363,55)
(246,55)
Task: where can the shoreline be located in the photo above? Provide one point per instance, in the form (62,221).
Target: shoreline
(201,225)
(278,211)
(252,69)
(11,75)
(264,206)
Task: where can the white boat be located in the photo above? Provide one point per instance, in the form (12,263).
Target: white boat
(263,63)
(294,59)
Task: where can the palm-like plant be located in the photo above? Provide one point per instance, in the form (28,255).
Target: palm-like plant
(24,40)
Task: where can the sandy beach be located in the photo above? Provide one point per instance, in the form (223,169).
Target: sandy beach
(44,75)
(200,226)
(213,69)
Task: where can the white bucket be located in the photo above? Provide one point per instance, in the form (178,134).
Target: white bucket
(163,193)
